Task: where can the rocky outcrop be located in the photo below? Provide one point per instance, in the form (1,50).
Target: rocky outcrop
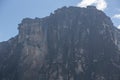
(71,44)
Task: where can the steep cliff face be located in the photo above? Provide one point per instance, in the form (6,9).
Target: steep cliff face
(71,44)
(33,40)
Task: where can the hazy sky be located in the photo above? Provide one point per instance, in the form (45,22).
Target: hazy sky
(13,11)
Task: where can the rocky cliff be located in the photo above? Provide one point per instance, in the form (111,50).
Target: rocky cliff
(71,44)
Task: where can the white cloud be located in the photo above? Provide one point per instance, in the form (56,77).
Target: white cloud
(118,27)
(85,3)
(100,4)
(117,16)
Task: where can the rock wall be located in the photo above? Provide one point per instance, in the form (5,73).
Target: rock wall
(71,44)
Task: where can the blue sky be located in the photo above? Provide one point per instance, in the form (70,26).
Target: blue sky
(13,11)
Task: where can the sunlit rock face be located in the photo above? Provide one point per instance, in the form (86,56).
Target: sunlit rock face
(71,44)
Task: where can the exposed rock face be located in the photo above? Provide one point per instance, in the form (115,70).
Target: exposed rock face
(71,44)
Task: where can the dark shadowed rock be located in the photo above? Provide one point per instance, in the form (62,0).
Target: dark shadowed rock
(71,44)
